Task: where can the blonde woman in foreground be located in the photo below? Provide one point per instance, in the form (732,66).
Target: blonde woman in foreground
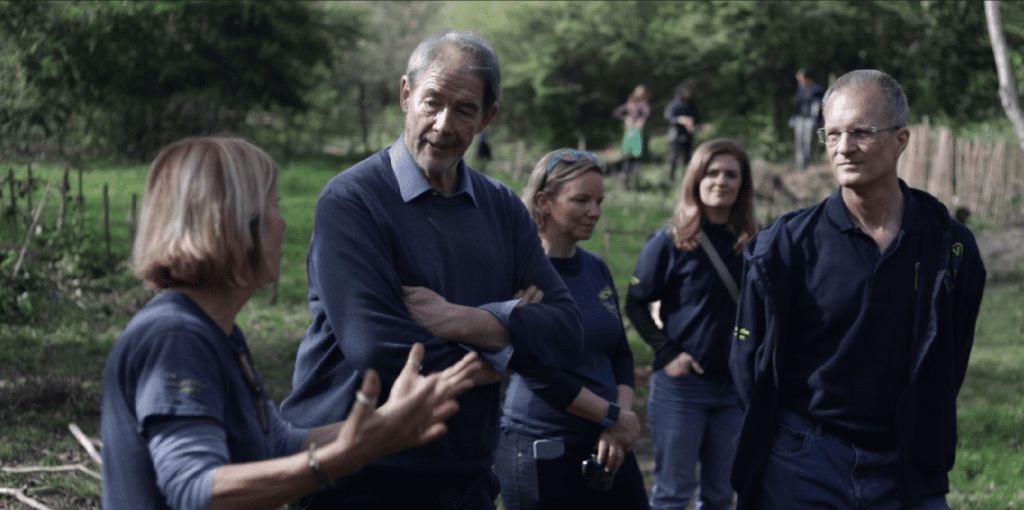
(186,422)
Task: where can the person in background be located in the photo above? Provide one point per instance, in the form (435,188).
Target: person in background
(550,425)
(412,245)
(186,422)
(691,266)
(855,327)
(683,118)
(633,114)
(805,118)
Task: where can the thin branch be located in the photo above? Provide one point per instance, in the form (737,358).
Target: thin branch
(31,230)
(65,467)
(18,493)
(85,442)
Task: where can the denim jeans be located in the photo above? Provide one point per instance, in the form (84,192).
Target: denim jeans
(531,484)
(811,469)
(803,129)
(692,420)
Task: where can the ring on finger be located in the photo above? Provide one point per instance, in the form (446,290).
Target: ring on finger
(364,399)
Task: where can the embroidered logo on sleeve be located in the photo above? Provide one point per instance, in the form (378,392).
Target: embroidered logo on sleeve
(176,385)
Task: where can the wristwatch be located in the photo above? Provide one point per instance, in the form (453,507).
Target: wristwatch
(611,415)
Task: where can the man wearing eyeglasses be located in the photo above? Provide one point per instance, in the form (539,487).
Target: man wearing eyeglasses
(411,245)
(854,328)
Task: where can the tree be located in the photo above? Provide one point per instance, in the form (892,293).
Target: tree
(1007,84)
(138,74)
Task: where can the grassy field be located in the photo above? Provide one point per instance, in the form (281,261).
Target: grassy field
(50,367)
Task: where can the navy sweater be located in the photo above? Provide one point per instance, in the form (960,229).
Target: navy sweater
(379,228)
(696,309)
(535,406)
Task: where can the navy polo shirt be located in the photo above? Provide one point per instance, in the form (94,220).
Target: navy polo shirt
(848,358)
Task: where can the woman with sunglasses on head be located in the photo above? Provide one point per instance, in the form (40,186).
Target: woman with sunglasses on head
(185,420)
(550,426)
(692,266)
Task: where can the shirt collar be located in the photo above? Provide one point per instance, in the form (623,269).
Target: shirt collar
(835,210)
(411,181)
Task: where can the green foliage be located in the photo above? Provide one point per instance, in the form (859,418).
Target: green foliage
(140,74)
(568,64)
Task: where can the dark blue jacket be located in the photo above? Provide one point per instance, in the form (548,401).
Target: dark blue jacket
(951,286)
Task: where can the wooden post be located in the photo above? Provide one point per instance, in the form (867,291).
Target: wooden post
(65,186)
(81,196)
(28,187)
(133,217)
(517,169)
(106,220)
(14,198)
(581,143)
(606,240)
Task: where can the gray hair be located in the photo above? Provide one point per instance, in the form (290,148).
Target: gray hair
(895,99)
(483,60)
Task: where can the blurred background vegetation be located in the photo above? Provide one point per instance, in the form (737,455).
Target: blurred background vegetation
(87,79)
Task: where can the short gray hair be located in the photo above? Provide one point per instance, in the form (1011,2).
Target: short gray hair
(895,99)
(483,60)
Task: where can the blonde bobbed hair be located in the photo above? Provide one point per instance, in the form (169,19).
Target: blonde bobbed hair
(203,213)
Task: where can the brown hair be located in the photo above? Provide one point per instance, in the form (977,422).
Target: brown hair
(203,212)
(689,213)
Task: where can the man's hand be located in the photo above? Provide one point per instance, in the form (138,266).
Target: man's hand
(682,365)
(529,295)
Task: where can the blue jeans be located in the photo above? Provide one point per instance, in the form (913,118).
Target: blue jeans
(692,420)
(811,469)
(531,484)
(803,129)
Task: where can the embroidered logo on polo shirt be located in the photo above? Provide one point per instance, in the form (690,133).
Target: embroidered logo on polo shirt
(633,280)
(740,333)
(958,249)
(606,299)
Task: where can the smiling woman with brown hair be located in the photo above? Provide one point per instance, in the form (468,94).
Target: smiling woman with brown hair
(186,422)
(692,266)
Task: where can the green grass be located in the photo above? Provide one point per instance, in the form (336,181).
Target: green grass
(50,370)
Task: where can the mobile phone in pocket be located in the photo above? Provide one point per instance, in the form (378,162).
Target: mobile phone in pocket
(546,449)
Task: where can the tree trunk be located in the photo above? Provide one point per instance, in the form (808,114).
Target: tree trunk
(1007,85)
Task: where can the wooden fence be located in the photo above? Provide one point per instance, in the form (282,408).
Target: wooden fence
(985,177)
(16,205)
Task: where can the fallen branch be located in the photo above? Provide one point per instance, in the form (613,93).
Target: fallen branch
(85,442)
(65,467)
(31,231)
(18,493)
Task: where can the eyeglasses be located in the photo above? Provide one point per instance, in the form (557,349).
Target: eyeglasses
(859,136)
(566,156)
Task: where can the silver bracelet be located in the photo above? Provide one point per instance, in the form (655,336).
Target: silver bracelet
(321,479)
